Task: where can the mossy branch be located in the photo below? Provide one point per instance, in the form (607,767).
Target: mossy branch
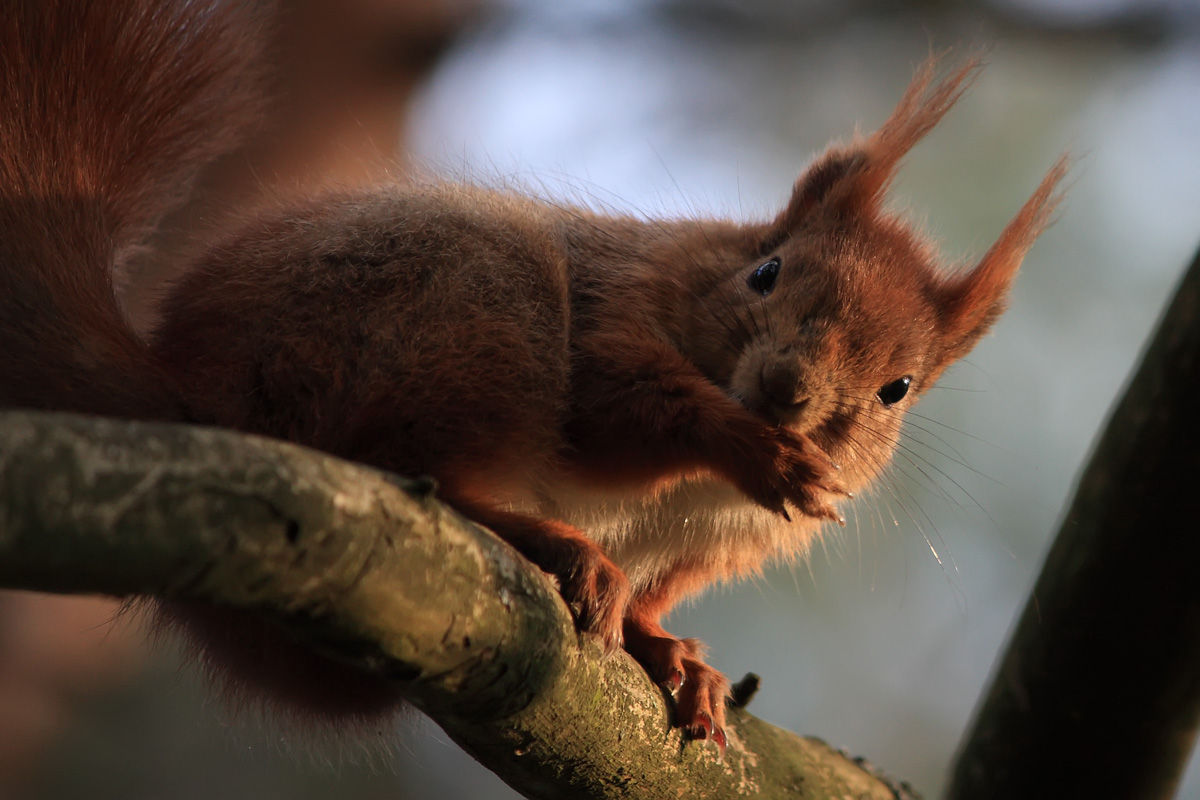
(373,570)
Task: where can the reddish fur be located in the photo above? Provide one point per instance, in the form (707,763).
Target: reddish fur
(255,665)
(83,179)
(566,376)
(678,663)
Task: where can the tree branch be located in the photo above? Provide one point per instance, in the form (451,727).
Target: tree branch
(1103,667)
(372,570)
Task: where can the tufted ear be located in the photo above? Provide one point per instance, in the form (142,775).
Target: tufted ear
(973,300)
(830,171)
(853,178)
(920,109)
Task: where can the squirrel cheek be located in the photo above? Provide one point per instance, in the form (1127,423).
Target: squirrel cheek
(862,442)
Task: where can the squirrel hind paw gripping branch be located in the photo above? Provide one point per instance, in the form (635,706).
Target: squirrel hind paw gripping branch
(639,407)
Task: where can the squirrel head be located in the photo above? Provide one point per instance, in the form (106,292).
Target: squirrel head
(844,314)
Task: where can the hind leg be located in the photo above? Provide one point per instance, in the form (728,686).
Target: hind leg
(594,587)
(678,664)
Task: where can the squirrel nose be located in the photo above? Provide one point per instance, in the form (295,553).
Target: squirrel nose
(782,384)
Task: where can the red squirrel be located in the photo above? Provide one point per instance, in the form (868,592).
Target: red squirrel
(640,407)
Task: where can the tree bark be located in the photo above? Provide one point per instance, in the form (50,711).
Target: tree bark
(374,571)
(1098,694)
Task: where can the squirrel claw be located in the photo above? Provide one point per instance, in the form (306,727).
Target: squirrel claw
(832,514)
(718,737)
(798,473)
(704,729)
(701,727)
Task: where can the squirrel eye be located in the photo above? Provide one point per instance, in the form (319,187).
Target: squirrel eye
(892,393)
(762,280)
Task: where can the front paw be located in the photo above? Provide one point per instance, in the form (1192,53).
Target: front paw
(795,471)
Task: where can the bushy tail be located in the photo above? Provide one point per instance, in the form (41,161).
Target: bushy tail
(108,108)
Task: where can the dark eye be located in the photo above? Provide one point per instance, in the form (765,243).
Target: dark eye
(892,393)
(762,280)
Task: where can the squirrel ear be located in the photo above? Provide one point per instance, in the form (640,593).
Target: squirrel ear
(854,177)
(972,301)
(829,171)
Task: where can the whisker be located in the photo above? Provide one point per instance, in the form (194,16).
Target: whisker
(912,458)
(957,457)
(953,429)
(908,502)
(939,387)
(762,304)
(750,313)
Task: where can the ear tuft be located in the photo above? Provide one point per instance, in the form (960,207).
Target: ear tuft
(976,298)
(856,175)
(920,109)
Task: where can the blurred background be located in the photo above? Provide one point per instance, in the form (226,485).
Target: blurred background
(883,641)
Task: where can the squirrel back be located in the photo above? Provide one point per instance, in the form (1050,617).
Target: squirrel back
(110,108)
